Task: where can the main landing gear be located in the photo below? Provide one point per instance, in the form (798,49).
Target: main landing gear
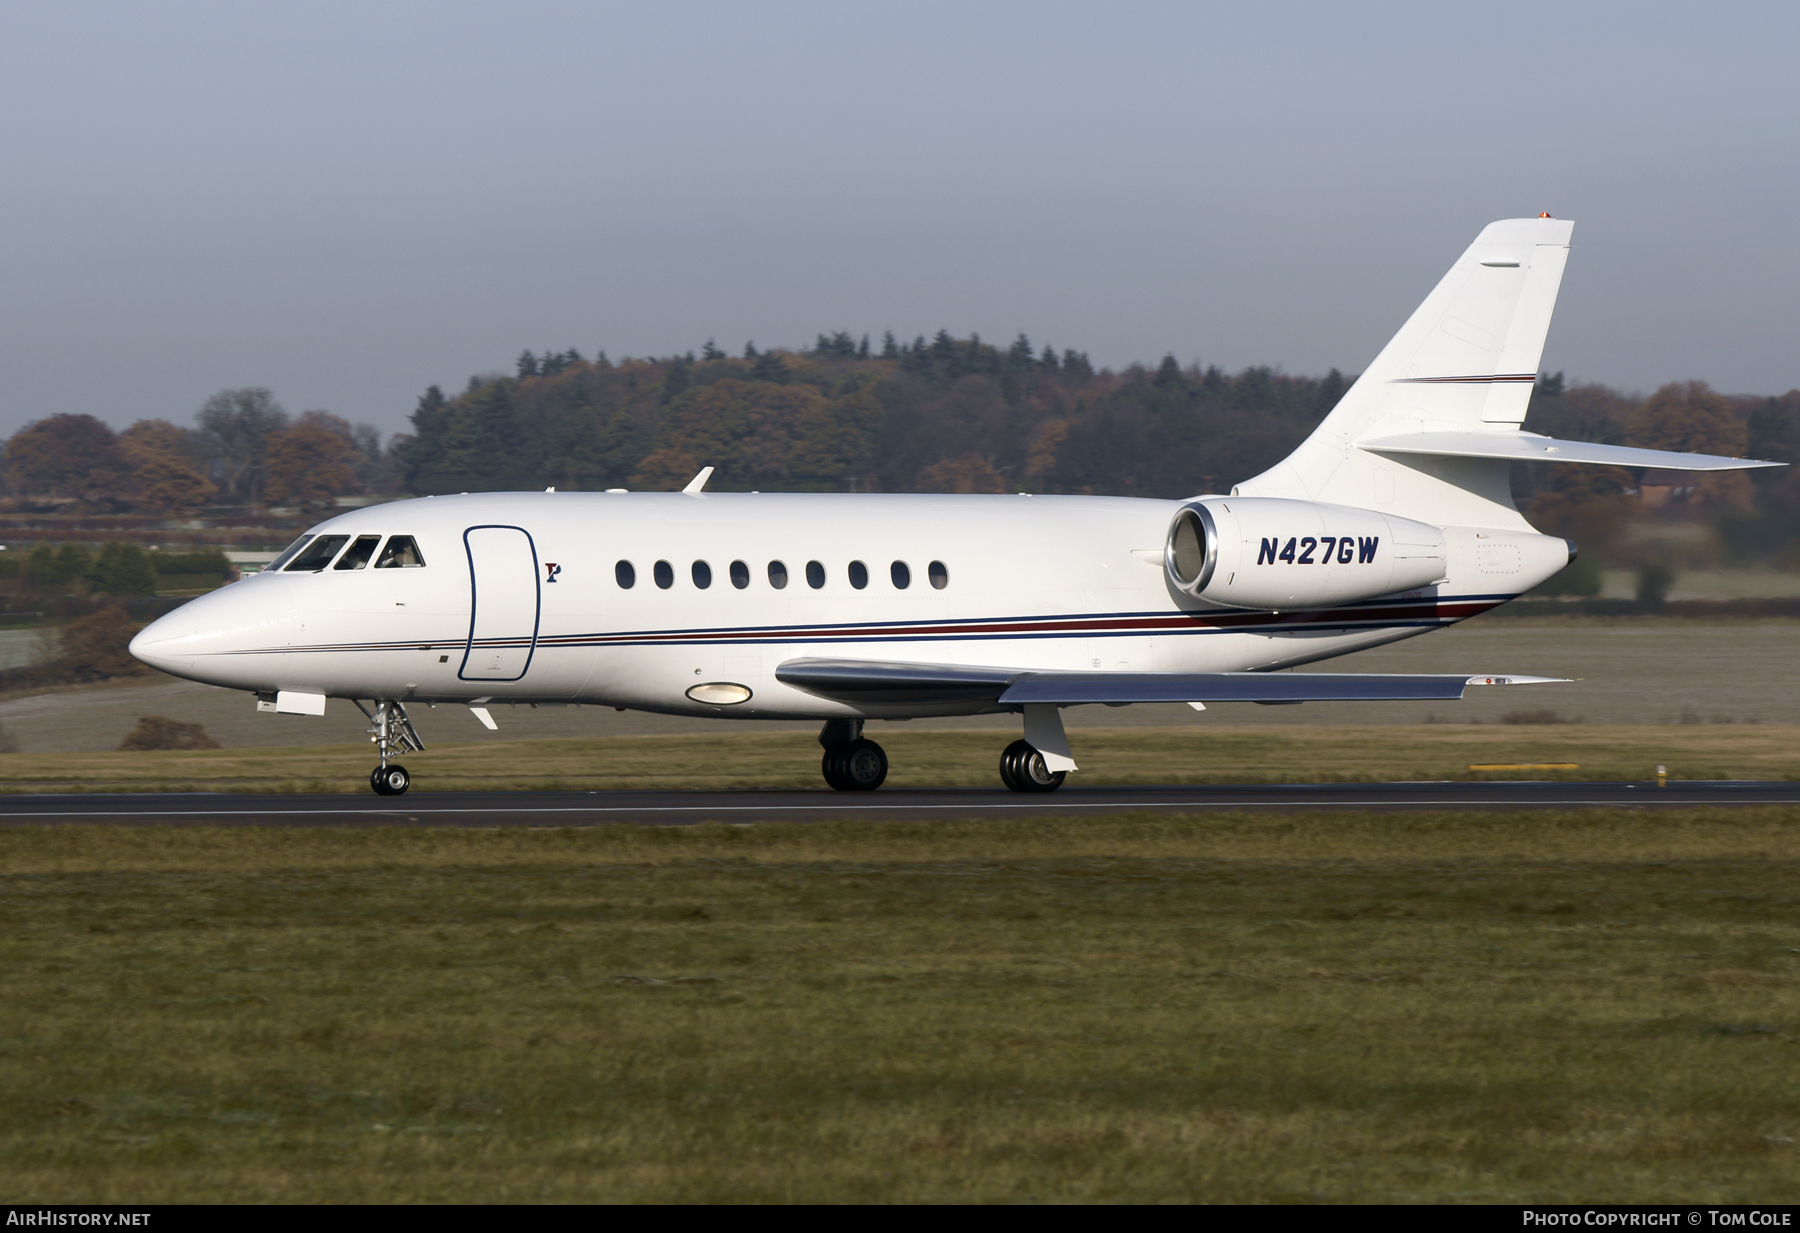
(390,728)
(855,764)
(1022,769)
(851,763)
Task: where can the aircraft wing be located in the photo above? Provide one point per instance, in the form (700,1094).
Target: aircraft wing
(862,681)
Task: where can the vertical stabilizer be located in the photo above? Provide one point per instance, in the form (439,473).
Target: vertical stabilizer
(1464,362)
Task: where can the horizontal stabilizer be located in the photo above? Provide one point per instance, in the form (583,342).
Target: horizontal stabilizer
(868,682)
(1529,447)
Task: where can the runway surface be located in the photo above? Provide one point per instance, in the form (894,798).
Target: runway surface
(684,808)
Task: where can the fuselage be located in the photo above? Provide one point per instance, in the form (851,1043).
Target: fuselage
(633,599)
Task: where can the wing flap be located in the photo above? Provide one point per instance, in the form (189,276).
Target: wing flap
(874,682)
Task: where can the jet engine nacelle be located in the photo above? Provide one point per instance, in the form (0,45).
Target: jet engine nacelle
(1271,552)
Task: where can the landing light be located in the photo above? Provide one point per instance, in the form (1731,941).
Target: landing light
(719,693)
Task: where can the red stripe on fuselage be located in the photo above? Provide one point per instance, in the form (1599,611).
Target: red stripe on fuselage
(1028,626)
(1018,627)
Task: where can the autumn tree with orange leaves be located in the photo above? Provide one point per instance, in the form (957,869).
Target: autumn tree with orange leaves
(309,464)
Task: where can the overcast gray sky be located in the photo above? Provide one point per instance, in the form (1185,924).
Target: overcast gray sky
(348,202)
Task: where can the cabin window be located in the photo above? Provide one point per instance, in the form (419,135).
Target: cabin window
(318,554)
(859,575)
(665,575)
(940,577)
(626,576)
(359,554)
(778,574)
(901,575)
(287,554)
(815,575)
(740,575)
(401,553)
(702,573)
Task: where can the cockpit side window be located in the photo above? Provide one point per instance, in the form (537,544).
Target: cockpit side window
(318,554)
(400,553)
(359,554)
(287,554)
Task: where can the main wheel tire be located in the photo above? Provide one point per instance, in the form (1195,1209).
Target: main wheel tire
(830,767)
(390,780)
(1008,759)
(1022,768)
(862,766)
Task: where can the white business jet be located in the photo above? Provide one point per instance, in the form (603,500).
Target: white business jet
(1393,518)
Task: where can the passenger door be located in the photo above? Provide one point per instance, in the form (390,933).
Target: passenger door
(504,603)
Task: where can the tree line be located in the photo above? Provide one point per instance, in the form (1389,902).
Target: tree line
(943,414)
(960,415)
(243,449)
(111,569)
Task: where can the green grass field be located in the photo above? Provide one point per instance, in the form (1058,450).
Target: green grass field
(1241,754)
(1577,1006)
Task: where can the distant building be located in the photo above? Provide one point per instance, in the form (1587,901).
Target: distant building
(247,562)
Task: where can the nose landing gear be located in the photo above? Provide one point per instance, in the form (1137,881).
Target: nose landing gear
(389,728)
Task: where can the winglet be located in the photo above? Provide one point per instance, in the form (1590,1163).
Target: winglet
(699,481)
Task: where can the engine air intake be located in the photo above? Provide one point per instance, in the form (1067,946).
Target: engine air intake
(1193,549)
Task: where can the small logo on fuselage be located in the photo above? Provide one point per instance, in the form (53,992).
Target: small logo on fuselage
(551,570)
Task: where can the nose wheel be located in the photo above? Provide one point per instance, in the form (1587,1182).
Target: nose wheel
(390,780)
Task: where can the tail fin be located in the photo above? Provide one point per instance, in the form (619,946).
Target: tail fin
(1465,361)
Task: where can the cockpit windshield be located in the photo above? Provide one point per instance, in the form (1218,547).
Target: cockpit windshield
(318,554)
(359,554)
(287,554)
(312,553)
(401,553)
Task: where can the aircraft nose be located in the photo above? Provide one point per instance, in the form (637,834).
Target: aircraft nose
(155,644)
(161,644)
(140,644)
(200,639)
